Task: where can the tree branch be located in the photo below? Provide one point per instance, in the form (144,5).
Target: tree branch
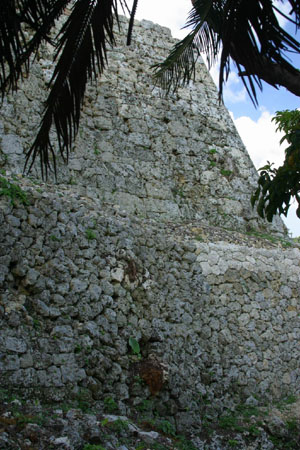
(275,74)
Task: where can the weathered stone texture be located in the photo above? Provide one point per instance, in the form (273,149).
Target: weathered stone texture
(177,158)
(223,317)
(130,248)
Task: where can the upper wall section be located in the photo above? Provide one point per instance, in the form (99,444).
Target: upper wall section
(176,158)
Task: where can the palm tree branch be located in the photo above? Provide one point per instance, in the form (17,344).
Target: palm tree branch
(81,54)
(131,21)
(249,34)
(12,42)
(179,67)
(15,49)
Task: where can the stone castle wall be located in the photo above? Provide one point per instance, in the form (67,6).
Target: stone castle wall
(175,158)
(219,310)
(128,246)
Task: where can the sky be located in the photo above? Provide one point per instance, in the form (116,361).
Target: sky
(254,125)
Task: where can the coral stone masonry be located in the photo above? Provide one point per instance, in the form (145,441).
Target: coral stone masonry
(144,274)
(168,158)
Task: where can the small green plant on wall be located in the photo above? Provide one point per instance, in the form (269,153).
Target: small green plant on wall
(90,234)
(13,192)
(93,447)
(135,347)
(110,405)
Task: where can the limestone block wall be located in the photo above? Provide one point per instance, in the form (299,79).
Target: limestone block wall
(176,158)
(79,279)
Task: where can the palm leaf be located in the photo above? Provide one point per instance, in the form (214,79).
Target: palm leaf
(249,34)
(131,21)
(12,42)
(81,55)
(15,49)
(179,67)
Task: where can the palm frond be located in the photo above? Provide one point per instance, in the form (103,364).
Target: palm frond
(12,42)
(131,21)
(178,69)
(81,55)
(37,16)
(248,33)
(295,5)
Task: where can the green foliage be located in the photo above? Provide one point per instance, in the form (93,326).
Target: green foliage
(93,447)
(284,402)
(292,425)
(158,446)
(290,399)
(177,191)
(141,446)
(90,234)
(23,419)
(248,411)
(119,425)
(82,400)
(288,122)
(277,187)
(233,443)
(225,173)
(139,380)
(13,192)
(145,405)
(110,405)
(230,422)
(239,420)
(166,427)
(184,444)
(77,348)
(54,238)
(269,237)
(134,345)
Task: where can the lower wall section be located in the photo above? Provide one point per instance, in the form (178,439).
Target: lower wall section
(121,308)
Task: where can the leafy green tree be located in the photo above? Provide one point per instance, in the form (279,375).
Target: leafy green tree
(277,187)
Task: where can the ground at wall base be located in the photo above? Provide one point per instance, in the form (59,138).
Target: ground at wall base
(26,424)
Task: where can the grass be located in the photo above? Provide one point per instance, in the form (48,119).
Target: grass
(284,402)
(269,237)
(110,405)
(93,447)
(90,234)
(13,192)
(225,173)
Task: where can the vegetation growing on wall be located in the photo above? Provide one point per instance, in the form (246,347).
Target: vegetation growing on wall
(278,187)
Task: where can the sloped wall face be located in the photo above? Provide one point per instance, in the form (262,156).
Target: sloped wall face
(174,158)
(215,322)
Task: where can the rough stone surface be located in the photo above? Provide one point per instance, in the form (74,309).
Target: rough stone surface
(129,263)
(176,158)
(223,315)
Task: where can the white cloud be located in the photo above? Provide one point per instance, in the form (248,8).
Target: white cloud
(170,13)
(261,139)
(233,89)
(262,142)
